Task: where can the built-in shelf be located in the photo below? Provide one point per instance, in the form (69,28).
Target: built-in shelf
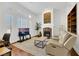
(72,20)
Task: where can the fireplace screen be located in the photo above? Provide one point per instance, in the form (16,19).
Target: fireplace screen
(47,32)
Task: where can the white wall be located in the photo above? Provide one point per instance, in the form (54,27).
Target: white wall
(5,11)
(3,25)
(27,22)
(15,10)
(56,21)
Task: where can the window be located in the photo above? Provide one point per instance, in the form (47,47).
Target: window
(22,22)
(8,21)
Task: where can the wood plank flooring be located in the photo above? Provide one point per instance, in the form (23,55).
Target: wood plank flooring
(73,52)
(18,52)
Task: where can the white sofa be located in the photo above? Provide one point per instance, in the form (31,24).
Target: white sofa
(62,46)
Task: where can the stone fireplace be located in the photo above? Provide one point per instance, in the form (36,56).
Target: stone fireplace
(47,32)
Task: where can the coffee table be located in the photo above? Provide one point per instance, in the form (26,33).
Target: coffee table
(40,42)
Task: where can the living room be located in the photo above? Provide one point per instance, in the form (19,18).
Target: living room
(41,21)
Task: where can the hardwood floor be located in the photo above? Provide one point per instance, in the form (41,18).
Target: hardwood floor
(73,52)
(18,52)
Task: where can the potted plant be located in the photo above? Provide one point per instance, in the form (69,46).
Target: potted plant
(37,28)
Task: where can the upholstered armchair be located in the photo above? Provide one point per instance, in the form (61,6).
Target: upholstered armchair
(5,41)
(61,47)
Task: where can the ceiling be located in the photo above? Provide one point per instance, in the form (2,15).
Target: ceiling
(37,7)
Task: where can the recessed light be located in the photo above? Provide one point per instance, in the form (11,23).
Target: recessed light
(30,16)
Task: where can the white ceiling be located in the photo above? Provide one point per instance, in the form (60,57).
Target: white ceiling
(37,7)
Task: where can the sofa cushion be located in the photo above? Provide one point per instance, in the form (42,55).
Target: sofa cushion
(54,42)
(63,39)
(70,42)
(66,37)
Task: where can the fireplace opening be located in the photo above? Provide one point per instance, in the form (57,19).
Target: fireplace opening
(47,32)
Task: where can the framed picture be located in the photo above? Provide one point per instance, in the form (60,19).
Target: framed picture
(47,17)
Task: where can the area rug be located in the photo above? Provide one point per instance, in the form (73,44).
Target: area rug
(29,47)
